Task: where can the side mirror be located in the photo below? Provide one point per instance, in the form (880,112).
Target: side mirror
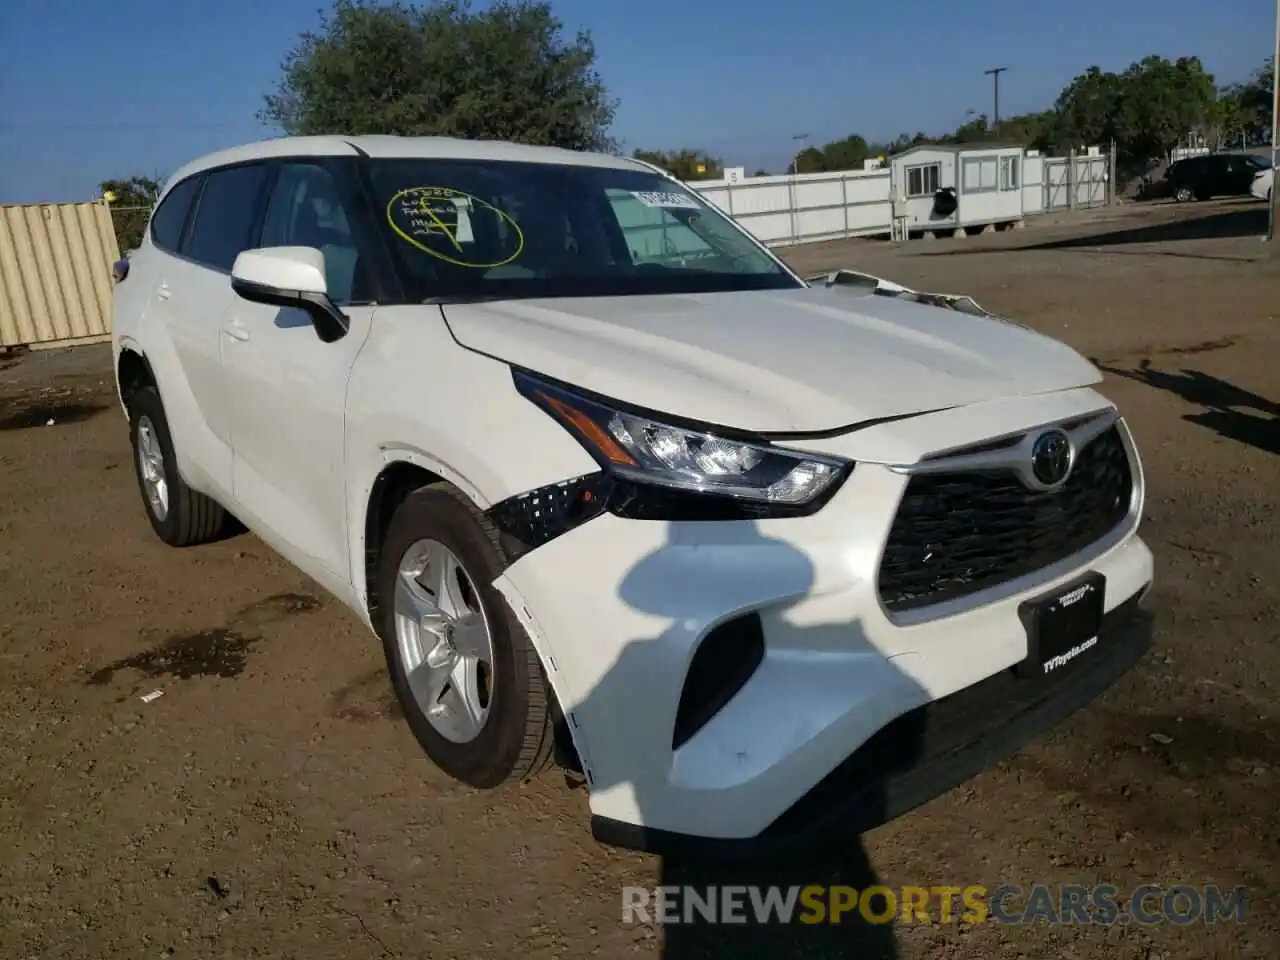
(290,277)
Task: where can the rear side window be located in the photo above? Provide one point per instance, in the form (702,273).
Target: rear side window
(225,215)
(170,217)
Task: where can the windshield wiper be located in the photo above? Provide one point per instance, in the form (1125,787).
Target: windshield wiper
(458,298)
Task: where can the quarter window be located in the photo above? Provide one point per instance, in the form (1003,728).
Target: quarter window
(922,180)
(171,216)
(225,214)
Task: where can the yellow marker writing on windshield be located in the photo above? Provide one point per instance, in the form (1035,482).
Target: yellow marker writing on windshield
(416,203)
(424,206)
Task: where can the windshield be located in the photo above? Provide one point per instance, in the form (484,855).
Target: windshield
(502,229)
(1262,163)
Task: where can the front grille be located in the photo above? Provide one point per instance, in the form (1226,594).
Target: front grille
(958,533)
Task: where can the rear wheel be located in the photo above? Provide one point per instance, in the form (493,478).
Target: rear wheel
(463,668)
(180,516)
(1184,194)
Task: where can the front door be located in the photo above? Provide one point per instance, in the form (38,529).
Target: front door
(288,387)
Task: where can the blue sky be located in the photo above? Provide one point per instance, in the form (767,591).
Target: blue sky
(91,89)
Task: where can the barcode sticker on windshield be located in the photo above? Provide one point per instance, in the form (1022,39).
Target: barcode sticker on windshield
(679,201)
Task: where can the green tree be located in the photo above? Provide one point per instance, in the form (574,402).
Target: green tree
(903,141)
(846,154)
(1249,103)
(1031,129)
(1163,101)
(974,131)
(1088,110)
(131,203)
(501,73)
(808,160)
(1225,126)
(1146,110)
(686,165)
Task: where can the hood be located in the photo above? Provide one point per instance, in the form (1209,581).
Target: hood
(778,361)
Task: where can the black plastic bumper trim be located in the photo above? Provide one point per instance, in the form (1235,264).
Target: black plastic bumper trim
(933,749)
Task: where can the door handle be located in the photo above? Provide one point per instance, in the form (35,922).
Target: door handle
(236,331)
(162,291)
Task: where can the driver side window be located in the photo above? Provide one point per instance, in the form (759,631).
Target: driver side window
(306,211)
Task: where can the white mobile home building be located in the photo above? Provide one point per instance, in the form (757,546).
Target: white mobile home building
(940,187)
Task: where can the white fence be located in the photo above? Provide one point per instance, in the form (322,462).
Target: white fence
(807,208)
(813,207)
(1077,182)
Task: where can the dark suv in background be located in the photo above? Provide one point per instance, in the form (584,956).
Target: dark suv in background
(1214,175)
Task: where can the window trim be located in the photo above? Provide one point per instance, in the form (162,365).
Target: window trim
(906,173)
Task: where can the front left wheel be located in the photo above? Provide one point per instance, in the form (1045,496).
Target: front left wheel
(463,668)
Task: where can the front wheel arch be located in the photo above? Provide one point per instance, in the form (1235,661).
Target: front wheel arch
(394,484)
(391,487)
(133,373)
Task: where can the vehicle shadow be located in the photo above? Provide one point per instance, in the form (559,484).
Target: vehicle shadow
(1245,220)
(741,567)
(1221,400)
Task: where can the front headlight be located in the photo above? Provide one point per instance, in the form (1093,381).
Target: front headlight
(647,451)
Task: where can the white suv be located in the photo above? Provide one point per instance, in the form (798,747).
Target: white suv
(768,556)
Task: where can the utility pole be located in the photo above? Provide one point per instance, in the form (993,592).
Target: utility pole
(803,139)
(994,74)
(1275,127)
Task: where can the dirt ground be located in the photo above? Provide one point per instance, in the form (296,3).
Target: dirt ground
(272,804)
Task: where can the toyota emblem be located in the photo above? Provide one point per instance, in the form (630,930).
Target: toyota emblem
(1051,458)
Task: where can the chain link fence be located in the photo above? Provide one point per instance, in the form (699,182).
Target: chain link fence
(129,222)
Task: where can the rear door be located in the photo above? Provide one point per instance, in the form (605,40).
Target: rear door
(190,385)
(1218,176)
(197,293)
(1237,175)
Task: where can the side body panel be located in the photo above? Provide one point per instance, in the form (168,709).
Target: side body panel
(416,396)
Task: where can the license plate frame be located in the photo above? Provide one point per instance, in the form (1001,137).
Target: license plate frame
(1063,626)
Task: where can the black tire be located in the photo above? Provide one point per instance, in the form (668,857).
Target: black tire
(1184,194)
(192,518)
(517,739)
